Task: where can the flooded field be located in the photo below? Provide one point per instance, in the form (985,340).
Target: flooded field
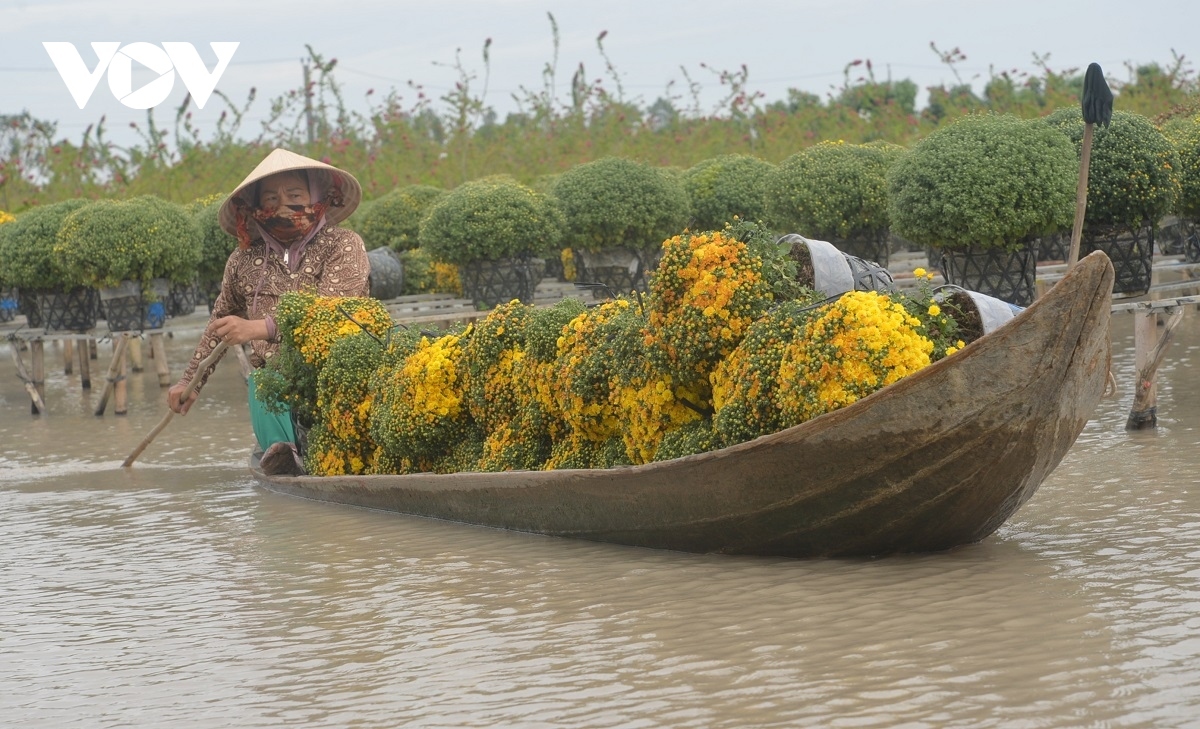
(177,593)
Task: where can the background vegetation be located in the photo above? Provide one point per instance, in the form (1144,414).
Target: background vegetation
(447,140)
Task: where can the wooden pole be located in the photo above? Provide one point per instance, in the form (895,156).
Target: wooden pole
(134,353)
(93,353)
(85,363)
(37,354)
(121,387)
(158,353)
(1149,351)
(204,365)
(36,404)
(68,356)
(1085,161)
(111,378)
(244,362)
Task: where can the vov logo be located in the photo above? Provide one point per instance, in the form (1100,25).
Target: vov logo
(118,61)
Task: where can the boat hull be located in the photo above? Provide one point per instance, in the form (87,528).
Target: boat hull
(939,459)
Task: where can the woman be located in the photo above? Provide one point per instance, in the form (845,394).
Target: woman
(284,215)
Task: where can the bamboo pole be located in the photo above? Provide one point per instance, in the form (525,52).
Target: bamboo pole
(111,378)
(1149,351)
(85,368)
(243,362)
(134,353)
(36,404)
(204,365)
(121,387)
(158,353)
(37,356)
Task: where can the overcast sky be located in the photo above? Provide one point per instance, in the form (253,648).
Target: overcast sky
(380,44)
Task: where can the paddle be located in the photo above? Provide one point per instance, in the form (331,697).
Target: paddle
(204,365)
(1096,105)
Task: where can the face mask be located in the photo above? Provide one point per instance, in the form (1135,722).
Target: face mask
(288,223)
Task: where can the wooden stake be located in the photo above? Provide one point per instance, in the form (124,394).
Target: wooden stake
(1085,161)
(85,364)
(37,354)
(93,353)
(135,354)
(158,353)
(68,356)
(1149,351)
(37,407)
(118,354)
(121,387)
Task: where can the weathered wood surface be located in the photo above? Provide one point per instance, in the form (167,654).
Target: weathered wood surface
(940,459)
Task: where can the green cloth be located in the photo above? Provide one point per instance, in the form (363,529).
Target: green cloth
(268,427)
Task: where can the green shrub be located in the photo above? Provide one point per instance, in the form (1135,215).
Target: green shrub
(110,241)
(1131,178)
(1184,135)
(215,244)
(394,219)
(985,180)
(619,203)
(487,220)
(833,190)
(27,248)
(725,186)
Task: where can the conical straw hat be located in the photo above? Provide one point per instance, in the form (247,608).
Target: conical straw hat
(281,160)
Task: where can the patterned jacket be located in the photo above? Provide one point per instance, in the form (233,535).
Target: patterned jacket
(334,263)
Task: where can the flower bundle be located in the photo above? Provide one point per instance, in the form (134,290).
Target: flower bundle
(502,391)
(494,349)
(652,405)
(308,326)
(420,412)
(591,350)
(860,343)
(745,382)
(340,442)
(697,436)
(706,292)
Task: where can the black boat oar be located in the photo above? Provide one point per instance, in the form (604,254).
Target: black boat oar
(204,365)
(1097,106)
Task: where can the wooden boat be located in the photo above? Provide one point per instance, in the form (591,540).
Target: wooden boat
(939,459)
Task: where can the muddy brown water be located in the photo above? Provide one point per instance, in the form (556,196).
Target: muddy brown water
(177,593)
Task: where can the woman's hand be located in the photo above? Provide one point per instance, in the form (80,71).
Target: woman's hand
(173,402)
(236,330)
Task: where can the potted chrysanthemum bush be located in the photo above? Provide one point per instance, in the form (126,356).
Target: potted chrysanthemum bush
(390,226)
(48,295)
(617,212)
(836,192)
(492,229)
(983,190)
(725,188)
(8,295)
(132,251)
(1132,184)
(215,248)
(1184,135)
